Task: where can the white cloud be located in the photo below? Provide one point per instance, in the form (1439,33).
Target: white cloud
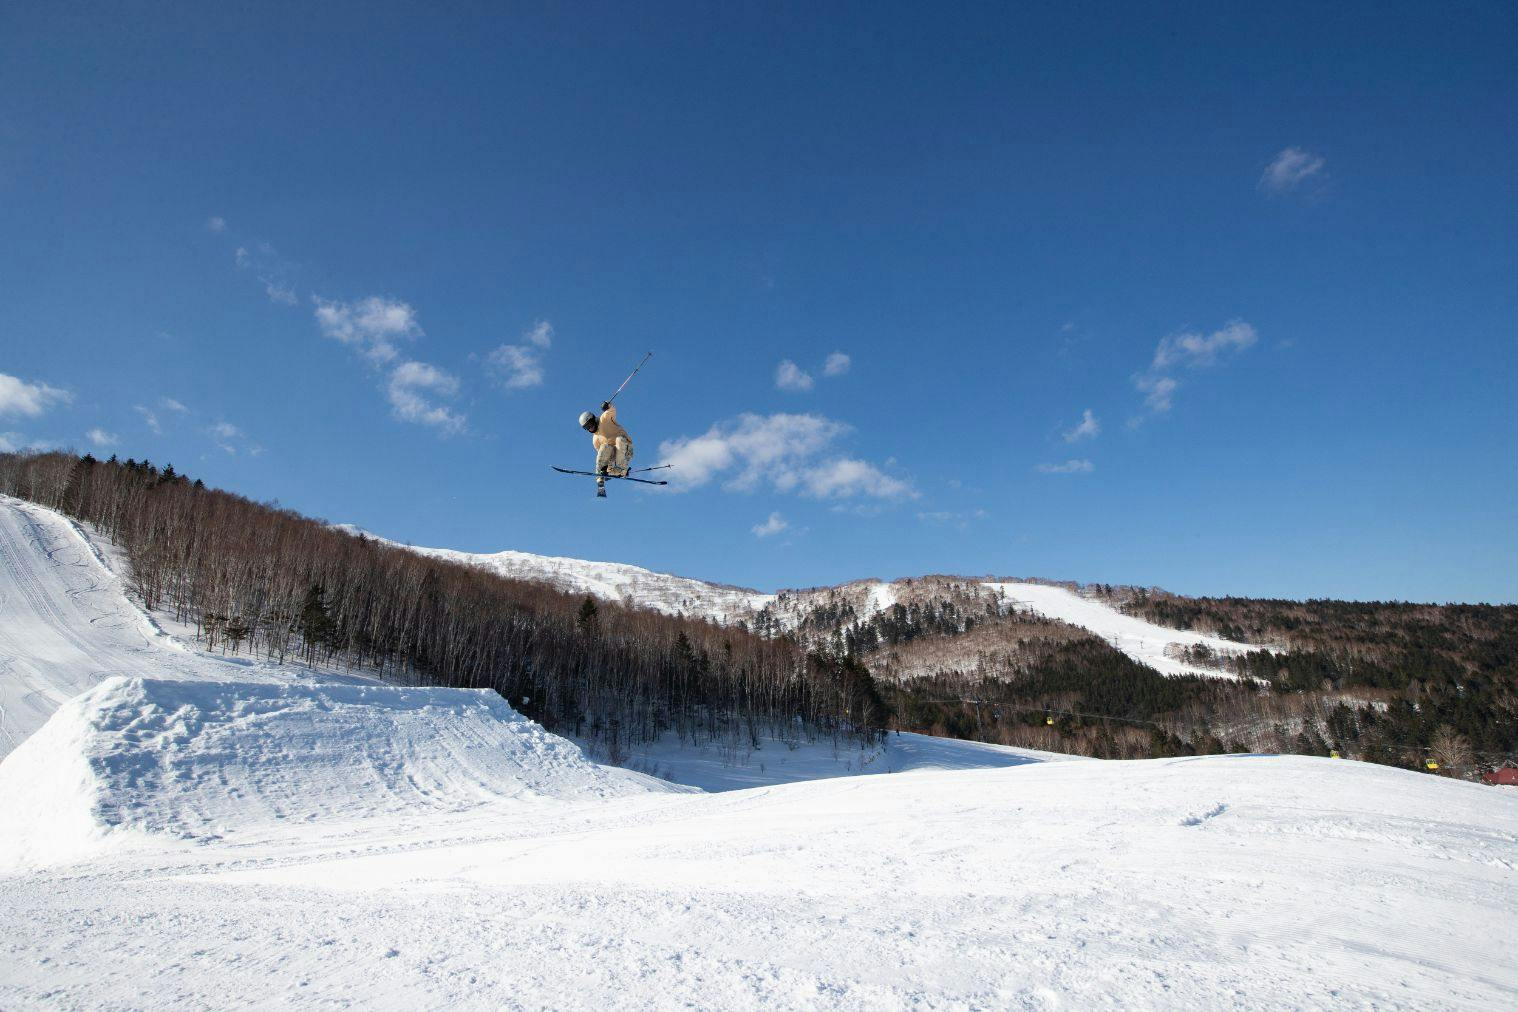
(149,419)
(279,292)
(844,478)
(1068,467)
(171,404)
(374,325)
(520,366)
(1194,350)
(1089,428)
(790,376)
(961,520)
(1290,169)
(225,434)
(837,364)
(18,397)
(216,224)
(100,437)
(1189,350)
(794,453)
(414,389)
(540,334)
(1157,391)
(774,525)
(272,271)
(16,442)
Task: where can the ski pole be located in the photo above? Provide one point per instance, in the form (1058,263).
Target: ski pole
(629,377)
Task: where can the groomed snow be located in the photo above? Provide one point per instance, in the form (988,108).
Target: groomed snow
(174,843)
(66,624)
(1220,882)
(134,758)
(1143,641)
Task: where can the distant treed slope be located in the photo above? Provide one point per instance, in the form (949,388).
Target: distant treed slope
(608,581)
(248,576)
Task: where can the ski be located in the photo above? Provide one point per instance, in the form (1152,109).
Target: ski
(614,477)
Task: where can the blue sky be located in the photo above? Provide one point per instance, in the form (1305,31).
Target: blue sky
(1180,296)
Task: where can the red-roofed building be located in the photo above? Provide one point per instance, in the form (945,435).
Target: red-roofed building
(1503,776)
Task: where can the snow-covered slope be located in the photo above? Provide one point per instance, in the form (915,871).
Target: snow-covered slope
(225,760)
(283,842)
(1142,640)
(66,623)
(1154,645)
(609,581)
(1221,882)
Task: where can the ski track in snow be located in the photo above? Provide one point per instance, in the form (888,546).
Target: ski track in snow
(1143,641)
(210,834)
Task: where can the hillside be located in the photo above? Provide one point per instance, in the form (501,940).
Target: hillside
(816,614)
(625,660)
(1168,883)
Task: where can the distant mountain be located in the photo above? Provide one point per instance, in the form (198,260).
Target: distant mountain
(819,614)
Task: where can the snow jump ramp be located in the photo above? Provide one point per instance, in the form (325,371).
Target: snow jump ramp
(137,758)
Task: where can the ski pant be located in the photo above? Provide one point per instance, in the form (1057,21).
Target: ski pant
(614,456)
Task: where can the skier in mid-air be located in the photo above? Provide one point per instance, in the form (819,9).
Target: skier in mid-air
(614,448)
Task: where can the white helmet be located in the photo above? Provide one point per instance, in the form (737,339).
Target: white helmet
(588,421)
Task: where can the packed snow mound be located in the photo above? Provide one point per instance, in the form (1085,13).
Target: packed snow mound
(218,760)
(67,622)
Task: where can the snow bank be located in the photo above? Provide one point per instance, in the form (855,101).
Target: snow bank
(66,623)
(1143,641)
(136,758)
(1218,882)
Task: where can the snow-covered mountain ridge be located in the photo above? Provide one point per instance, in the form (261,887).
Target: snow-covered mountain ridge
(785,610)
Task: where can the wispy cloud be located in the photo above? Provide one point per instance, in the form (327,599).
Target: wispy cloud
(837,364)
(170,404)
(216,224)
(101,438)
(1290,169)
(793,453)
(1088,428)
(1188,350)
(520,366)
(1068,467)
(415,388)
(790,376)
(226,435)
(1157,390)
(272,271)
(29,399)
(376,326)
(149,418)
(1193,350)
(962,519)
(774,525)
(15,442)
